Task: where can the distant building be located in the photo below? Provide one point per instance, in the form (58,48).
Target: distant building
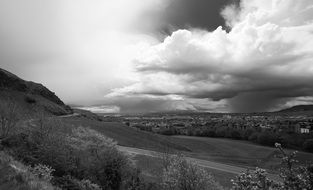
(304,130)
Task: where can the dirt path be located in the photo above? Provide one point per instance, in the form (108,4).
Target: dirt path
(203,163)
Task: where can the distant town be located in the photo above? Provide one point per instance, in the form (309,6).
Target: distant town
(290,129)
(189,124)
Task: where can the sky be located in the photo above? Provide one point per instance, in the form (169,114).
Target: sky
(163,55)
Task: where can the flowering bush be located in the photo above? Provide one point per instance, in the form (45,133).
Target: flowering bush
(180,174)
(254,180)
(43,172)
(293,177)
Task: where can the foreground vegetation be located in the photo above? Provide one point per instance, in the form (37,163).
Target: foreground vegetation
(14,175)
(79,157)
(293,177)
(66,157)
(47,153)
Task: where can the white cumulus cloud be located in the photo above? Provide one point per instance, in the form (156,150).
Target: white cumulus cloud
(265,60)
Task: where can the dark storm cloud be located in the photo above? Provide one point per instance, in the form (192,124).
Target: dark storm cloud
(205,14)
(145,104)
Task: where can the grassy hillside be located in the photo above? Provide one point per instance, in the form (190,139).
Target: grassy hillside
(10,81)
(127,136)
(29,105)
(29,98)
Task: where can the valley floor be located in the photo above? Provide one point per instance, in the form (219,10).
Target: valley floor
(224,158)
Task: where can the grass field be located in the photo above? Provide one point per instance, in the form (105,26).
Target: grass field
(233,152)
(242,153)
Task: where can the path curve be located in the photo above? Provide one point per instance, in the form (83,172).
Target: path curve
(203,163)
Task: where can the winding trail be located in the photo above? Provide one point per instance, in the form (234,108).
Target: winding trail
(203,163)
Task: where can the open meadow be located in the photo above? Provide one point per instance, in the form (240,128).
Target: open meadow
(235,152)
(232,152)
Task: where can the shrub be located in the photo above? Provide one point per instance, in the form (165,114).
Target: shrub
(81,153)
(43,172)
(221,132)
(286,140)
(99,159)
(253,137)
(168,132)
(235,134)
(300,177)
(180,174)
(45,143)
(267,139)
(68,182)
(209,133)
(86,184)
(308,145)
(29,99)
(254,180)
(14,175)
(247,133)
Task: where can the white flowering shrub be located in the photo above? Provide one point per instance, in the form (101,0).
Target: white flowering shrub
(254,180)
(180,174)
(293,177)
(89,139)
(43,172)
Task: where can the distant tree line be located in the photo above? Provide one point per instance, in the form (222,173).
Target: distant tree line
(266,137)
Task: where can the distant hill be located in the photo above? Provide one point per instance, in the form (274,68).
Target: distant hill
(298,108)
(30,97)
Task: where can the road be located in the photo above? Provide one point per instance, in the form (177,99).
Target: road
(203,163)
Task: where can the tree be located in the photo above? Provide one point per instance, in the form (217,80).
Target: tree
(267,139)
(308,145)
(235,134)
